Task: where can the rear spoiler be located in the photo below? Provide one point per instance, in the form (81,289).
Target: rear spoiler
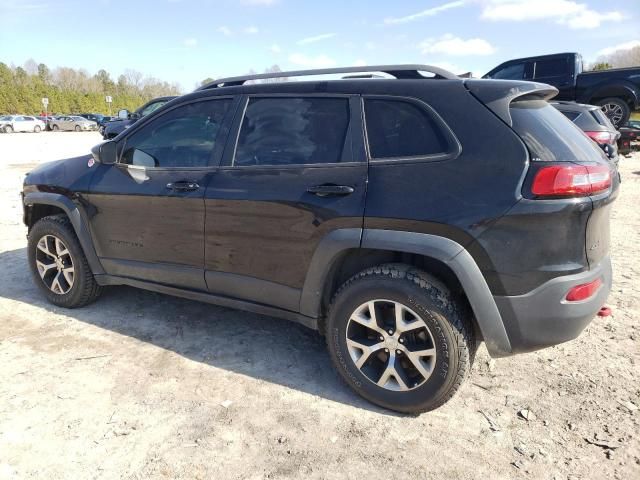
(497,95)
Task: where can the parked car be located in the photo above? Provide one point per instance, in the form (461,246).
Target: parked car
(94,117)
(629,138)
(73,122)
(103,122)
(616,90)
(21,123)
(126,119)
(594,123)
(375,211)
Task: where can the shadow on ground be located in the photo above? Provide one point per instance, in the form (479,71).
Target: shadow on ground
(261,347)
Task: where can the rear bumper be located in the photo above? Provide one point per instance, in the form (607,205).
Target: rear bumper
(542,317)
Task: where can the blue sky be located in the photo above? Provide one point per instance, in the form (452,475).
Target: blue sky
(186,41)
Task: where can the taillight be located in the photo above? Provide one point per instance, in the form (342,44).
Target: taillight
(584,291)
(601,137)
(571,180)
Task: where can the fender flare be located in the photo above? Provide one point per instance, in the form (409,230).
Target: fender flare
(449,252)
(77,221)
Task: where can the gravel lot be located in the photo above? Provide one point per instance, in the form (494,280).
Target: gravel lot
(141,385)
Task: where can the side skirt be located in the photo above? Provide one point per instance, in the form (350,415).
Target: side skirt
(261,309)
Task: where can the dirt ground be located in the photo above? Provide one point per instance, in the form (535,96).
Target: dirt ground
(141,385)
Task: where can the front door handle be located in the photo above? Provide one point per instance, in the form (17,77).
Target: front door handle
(183,186)
(328,190)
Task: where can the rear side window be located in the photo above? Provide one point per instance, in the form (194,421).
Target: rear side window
(570,115)
(602,119)
(400,129)
(550,68)
(550,136)
(294,131)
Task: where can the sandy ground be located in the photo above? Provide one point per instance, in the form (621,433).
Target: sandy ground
(141,385)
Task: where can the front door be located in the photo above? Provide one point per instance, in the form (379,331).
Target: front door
(294,169)
(148,220)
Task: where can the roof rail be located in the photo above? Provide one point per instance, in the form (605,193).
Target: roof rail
(398,71)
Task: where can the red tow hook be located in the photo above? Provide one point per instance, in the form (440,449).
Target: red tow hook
(604,312)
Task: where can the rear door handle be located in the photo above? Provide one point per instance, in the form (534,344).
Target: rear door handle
(183,186)
(327,190)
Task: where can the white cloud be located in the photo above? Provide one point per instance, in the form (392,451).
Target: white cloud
(320,61)
(621,46)
(450,45)
(190,42)
(316,38)
(251,30)
(275,48)
(565,12)
(224,30)
(429,12)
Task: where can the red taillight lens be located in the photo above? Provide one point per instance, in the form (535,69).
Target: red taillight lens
(584,291)
(601,137)
(571,180)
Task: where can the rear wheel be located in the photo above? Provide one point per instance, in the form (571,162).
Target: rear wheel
(58,264)
(8,129)
(37,129)
(399,338)
(616,109)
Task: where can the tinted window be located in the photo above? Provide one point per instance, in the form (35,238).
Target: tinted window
(401,129)
(152,108)
(570,115)
(551,68)
(182,137)
(512,72)
(294,131)
(549,135)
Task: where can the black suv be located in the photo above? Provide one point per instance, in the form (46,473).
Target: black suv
(404,218)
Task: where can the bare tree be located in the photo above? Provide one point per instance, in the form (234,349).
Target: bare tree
(622,58)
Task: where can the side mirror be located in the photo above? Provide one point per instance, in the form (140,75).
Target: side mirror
(124,114)
(105,153)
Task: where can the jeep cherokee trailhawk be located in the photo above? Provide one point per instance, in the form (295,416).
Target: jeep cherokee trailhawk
(406,218)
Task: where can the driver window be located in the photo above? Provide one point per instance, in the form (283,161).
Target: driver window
(180,138)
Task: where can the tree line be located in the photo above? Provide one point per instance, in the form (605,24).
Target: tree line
(74,91)
(618,59)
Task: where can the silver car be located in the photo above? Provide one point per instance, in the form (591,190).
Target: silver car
(73,122)
(21,123)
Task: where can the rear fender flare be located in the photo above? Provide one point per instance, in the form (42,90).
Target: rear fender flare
(451,253)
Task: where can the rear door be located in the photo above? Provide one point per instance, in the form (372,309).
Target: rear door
(559,72)
(293,171)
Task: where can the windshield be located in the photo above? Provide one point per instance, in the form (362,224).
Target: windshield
(549,135)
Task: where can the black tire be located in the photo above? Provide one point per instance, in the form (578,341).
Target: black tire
(77,129)
(84,289)
(37,129)
(55,128)
(616,109)
(8,129)
(449,324)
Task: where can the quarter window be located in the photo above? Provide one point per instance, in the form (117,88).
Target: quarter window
(294,131)
(398,128)
(182,137)
(511,72)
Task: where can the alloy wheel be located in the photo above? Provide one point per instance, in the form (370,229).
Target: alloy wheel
(55,264)
(391,345)
(614,112)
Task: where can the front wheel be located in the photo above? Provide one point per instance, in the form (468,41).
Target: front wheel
(77,129)
(399,338)
(55,128)
(58,264)
(616,109)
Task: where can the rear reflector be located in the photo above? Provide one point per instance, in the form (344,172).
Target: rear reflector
(584,291)
(571,180)
(602,137)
